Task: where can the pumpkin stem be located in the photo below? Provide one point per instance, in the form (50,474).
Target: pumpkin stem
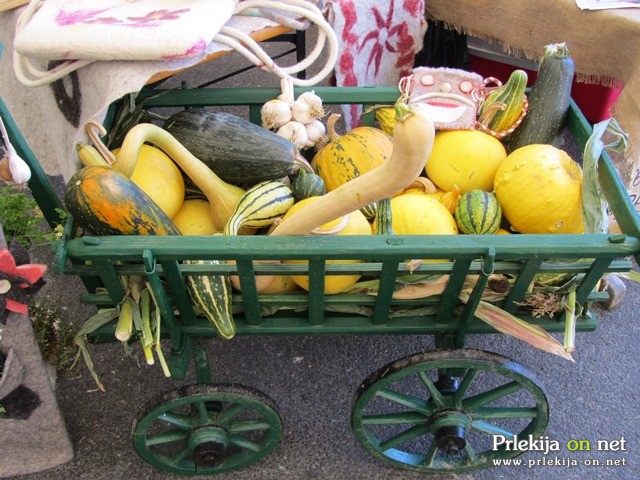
(344,221)
(403,110)
(90,127)
(489,111)
(331,127)
(424,184)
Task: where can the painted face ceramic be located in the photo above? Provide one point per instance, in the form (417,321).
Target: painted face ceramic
(447,94)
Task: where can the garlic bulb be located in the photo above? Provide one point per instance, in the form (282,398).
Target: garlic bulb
(316,110)
(275,113)
(315,131)
(295,133)
(12,167)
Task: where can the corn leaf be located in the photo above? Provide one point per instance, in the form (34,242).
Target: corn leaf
(509,324)
(101,318)
(594,204)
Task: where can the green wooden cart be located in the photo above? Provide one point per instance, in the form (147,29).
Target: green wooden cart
(435,411)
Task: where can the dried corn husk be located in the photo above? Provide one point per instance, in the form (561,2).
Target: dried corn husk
(6,5)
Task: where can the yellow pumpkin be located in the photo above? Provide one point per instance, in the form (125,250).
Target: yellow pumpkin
(159,177)
(419,214)
(466,158)
(357,224)
(194,218)
(349,156)
(540,190)
(280,284)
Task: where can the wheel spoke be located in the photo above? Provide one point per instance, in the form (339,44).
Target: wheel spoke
(249,426)
(505,412)
(181,421)
(165,437)
(394,418)
(178,457)
(407,435)
(431,454)
(471,454)
(436,396)
(464,386)
(492,395)
(491,429)
(203,413)
(228,414)
(244,443)
(417,404)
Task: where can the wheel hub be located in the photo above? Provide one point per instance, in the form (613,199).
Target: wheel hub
(449,428)
(208,445)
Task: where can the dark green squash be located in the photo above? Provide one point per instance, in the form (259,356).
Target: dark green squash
(308,185)
(106,202)
(548,101)
(238,151)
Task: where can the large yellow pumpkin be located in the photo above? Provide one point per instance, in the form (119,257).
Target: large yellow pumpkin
(194,218)
(419,214)
(159,177)
(540,190)
(357,225)
(466,158)
(349,156)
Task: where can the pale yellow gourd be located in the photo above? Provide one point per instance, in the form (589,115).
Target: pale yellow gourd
(413,137)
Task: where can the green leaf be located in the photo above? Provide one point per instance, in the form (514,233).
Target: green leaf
(594,204)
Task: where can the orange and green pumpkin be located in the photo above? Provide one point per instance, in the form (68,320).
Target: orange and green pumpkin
(104,201)
(349,156)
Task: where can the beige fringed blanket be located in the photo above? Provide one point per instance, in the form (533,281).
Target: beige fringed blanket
(604,45)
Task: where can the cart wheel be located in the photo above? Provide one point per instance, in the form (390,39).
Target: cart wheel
(207,429)
(439,411)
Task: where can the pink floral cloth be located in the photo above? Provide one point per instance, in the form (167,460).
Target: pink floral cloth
(378,41)
(122,29)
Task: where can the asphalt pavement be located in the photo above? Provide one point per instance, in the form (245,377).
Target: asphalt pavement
(312,380)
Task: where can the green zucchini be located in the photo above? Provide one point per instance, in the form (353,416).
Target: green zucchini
(260,206)
(212,295)
(502,107)
(238,151)
(548,101)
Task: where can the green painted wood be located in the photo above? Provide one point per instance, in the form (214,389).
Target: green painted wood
(317,270)
(178,292)
(160,296)
(521,284)
(385,292)
(452,291)
(39,184)
(249,292)
(111,281)
(590,280)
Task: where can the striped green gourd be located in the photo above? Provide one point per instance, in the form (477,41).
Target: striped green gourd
(502,108)
(212,295)
(478,212)
(260,206)
(370,211)
(307,185)
(384,217)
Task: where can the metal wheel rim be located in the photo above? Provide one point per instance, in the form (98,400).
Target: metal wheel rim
(235,399)
(431,462)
